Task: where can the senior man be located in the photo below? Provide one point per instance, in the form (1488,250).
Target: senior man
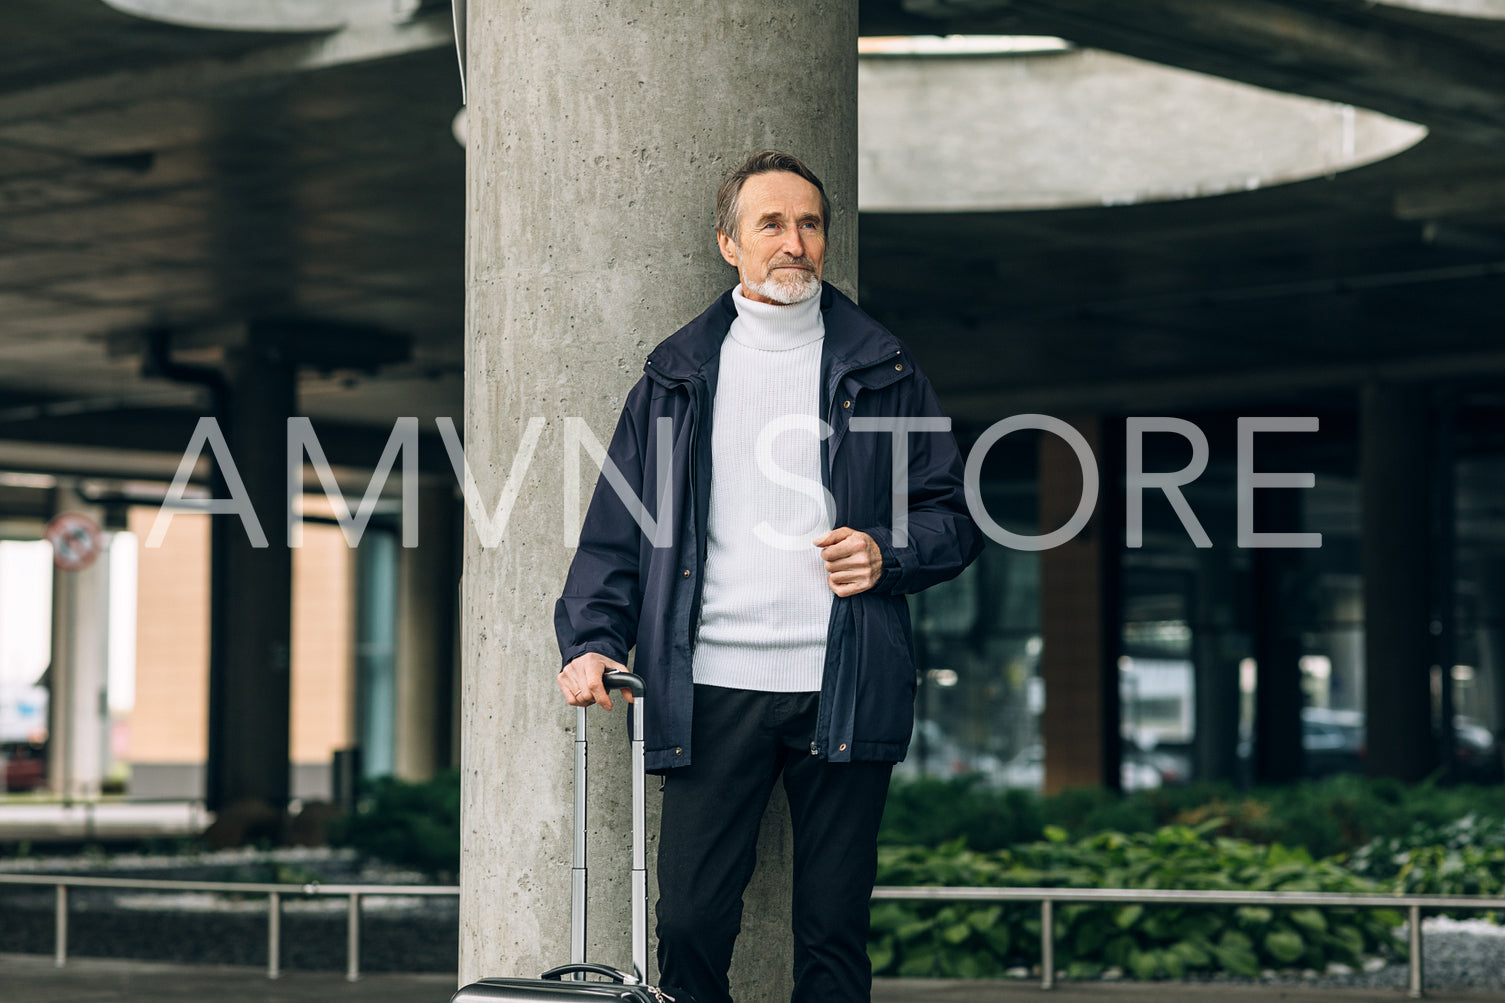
(759,565)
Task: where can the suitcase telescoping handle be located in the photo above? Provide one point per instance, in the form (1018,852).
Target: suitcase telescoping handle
(634,685)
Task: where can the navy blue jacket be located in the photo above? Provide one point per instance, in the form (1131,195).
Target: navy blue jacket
(623,591)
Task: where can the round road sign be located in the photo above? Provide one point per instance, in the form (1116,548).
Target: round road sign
(76,541)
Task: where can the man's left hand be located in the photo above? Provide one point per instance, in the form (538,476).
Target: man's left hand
(853,561)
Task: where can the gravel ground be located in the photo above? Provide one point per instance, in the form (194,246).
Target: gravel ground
(1455,954)
(421,935)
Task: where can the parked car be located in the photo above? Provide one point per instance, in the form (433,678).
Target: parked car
(1476,753)
(1335,742)
(1332,741)
(1027,769)
(933,753)
(25,766)
(1173,765)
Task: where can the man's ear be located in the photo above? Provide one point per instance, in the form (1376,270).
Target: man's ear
(728,248)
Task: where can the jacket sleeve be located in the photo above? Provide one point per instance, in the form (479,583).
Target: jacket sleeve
(942,536)
(602,598)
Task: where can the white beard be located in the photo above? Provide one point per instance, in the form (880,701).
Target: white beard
(794,287)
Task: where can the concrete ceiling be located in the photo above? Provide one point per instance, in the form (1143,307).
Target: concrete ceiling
(160,176)
(1441,70)
(1284,293)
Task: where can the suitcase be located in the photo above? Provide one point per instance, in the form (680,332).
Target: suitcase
(570,982)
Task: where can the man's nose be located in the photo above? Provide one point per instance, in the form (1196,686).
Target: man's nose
(794,244)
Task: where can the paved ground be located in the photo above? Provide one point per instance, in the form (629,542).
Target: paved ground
(27,978)
(33,979)
(934,991)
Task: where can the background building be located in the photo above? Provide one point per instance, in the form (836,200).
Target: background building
(1079,210)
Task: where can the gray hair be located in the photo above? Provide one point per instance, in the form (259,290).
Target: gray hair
(763,162)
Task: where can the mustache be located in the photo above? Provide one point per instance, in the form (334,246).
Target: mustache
(801,261)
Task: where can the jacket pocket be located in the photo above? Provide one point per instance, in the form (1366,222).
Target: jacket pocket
(885,671)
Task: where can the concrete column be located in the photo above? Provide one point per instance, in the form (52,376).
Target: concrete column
(1079,618)
(78,742)
(1216,654)
(248,695)
(376,654)
(1442,560)
(1490,637)
(597,137)
(1395,466)
(428,585)
(1278,754)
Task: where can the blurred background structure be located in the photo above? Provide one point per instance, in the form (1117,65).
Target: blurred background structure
(1206,209)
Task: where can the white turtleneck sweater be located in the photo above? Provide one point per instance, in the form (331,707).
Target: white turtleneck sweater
(765,605)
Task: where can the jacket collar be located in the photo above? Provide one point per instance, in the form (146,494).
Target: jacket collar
(853,339)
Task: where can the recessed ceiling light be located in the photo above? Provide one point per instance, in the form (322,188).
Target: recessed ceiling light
(959,45)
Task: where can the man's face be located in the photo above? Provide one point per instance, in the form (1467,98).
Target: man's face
(780,247)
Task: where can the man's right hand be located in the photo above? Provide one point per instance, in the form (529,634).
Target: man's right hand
(580,681)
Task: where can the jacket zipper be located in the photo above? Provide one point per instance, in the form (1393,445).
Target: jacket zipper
(691,385)
(701,533)
(822,723)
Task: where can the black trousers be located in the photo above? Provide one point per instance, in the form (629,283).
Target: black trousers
(742,741)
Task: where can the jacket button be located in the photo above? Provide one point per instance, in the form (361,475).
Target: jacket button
(900,366)
(687,572)
(813,750)
(846,403)
(842,747)
(679,750)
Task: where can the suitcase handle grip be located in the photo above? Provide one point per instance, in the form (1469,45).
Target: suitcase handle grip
(606,970)
(623,681)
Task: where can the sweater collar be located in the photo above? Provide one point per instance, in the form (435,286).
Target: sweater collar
(776,327)
(853,339)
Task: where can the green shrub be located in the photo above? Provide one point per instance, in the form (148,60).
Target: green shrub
(930,812)
(1085,810)
(1463,857)
(965,941)
(1335,815)
(1386,858)
(406,823)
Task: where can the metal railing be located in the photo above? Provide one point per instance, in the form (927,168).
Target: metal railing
(1047,897)
(274,893)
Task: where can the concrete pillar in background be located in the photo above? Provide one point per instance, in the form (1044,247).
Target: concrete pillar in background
(1395,469)
(597,136)
(1079,613)
(78,743)
(249,692)
(1279,617)
(1216,654)
(428,584)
